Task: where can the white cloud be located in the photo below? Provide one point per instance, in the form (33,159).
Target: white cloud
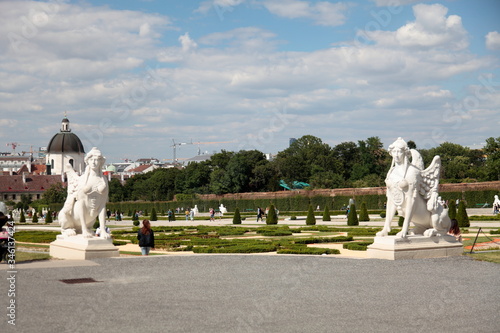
(187,43)
(218,5)
(322,12)
(431,29)
(493,40)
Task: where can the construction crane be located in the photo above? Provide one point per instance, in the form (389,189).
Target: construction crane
(14,145)
(175,144)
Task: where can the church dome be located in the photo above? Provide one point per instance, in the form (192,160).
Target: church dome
(65,141)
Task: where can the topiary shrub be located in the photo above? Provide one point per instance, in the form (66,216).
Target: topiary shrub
(136,223)
(237,216)
(48,218)
(22,218)
(462,217)
(401,221)
(153,216)
(352,218)
(363,214)
(326,214)
(452,209)
(34,219)
(311,219)
(272,218)
(383,215)
(293,217)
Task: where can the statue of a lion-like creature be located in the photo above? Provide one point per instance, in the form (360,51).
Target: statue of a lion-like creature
(87,197)
(413,193)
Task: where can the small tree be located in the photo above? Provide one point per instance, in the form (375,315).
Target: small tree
(272,218)
(311,219)
(352,218)
(363,214)
(401,221)
(452,209)
(48,218)
(22,218)
(326,214)
(237,216)
(153,216)
(34,219)
(462,217)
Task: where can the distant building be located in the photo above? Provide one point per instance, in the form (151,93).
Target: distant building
(65,147)
(12,187)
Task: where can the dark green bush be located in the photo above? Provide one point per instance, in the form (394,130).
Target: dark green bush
(352,218)
(326,214)
(401,221)
(272,218)
(311,219)
(357,246)
(35,236)
(313,240)
(452,209)
(383,215)
(136,223)
(34,219)
(462,218)
(22,218)
(293,217)
(307,250)
(154,216)
(237,216)
(48,218)
(363,214)
(495,232)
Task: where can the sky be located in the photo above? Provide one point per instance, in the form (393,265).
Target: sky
(134,76)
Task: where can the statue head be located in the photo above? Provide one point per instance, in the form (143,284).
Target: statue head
(94,159)
(399,150)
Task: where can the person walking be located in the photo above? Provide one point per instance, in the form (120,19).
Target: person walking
(259,214)
(146,238)
(170,215)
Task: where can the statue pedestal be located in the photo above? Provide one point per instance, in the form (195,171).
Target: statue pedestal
(78,247)
(414,247)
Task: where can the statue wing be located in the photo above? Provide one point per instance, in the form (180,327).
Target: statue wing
(73,180)
(430,178)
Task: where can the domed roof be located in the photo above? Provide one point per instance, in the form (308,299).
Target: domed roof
(65,141)
(111,168)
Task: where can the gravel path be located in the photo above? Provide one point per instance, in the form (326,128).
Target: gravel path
(249,293)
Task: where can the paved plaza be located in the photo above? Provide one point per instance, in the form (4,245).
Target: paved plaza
(255,293)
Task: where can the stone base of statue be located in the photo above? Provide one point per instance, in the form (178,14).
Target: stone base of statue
(414,247)
(80,248)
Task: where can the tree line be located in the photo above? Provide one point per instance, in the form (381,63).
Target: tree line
(308,160)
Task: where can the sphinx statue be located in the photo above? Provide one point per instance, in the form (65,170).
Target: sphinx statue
(412,192)
(86,200)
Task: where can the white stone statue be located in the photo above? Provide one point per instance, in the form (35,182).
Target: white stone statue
(195,210)
(413,193)
(87,197)
(3,208)
(496,205)
(222,209)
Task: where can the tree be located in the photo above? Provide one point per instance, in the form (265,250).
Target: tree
(363,214)
(492,151)
(237,216)
(352,218)
(34,218)
(311,219)
(326,214)
(272,218)
(54,194)
(153,216)
(462,217)
(22,218)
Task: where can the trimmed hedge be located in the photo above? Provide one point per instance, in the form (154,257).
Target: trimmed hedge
(357,246)
(363,214)
(311,219)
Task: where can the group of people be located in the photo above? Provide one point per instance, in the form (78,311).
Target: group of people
(261,214)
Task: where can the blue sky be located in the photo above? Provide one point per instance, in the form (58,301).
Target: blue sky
(250,74)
